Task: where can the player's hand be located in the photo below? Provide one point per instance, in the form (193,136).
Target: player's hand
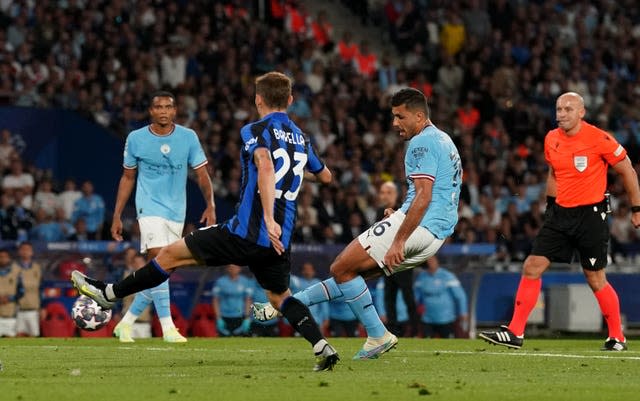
(244,327)
(116,229)
(275,231)
(388,212)
(635,219)
(394,256)
(209,216)
(222,327)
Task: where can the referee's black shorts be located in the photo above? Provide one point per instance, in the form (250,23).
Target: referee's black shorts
(582,228)
(216,246)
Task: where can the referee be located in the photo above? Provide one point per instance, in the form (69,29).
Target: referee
(578,155)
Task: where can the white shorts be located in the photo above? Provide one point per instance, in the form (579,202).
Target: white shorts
(156,232)
(420,245)
(28,322)
(7,326)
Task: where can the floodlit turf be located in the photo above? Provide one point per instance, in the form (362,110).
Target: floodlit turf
(280,369)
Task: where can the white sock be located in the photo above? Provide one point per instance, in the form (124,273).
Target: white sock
(129,318)
(108,292)
(317,347)
(167,324)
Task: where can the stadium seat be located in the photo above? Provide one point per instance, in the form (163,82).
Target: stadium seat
(56,321)
(203,321)
(181,323)
(67,266)
(285,329)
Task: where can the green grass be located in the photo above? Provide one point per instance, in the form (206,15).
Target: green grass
(280,369)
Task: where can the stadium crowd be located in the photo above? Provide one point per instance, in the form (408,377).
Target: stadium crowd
(492,69)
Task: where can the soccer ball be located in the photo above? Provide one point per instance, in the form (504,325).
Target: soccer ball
(88,315)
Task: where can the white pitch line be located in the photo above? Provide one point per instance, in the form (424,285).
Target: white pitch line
(534,354)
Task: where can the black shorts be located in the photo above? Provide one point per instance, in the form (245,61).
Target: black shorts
(566,230)
(216,246)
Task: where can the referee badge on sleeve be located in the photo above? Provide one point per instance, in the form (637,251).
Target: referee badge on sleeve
(580,163)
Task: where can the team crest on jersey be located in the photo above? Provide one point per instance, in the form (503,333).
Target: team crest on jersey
(165,148)
(580,163)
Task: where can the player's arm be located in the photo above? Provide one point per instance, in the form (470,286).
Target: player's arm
(204,182)
(125,187)
(630,181)
(395,254)
(267,189)
(324,176)
(552,188)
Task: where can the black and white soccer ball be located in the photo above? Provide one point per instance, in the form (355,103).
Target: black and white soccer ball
(88,315)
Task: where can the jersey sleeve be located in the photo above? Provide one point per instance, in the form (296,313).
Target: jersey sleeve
(420,162)
(315,164)
(612,151)
(254,136)
(196,153)
(130,159)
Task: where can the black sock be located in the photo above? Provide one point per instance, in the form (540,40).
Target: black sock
(149,276)
(300,318)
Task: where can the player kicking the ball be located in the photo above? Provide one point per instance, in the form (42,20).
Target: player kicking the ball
(405,238)
(259,235)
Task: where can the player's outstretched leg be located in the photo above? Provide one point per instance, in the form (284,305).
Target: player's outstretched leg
(105,295)
(94,289)
(379,339)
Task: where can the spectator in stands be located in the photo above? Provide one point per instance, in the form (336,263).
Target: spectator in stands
(80,232)
(45,198)
(6,149)
(365,61)
(321,31)
(10,292)
(232,294)
(443,299)
(347,49)
(46,228)
(17,178)
(68,197)
(15,220)
(28,316)
(89,207)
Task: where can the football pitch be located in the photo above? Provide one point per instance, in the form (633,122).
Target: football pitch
(280,369)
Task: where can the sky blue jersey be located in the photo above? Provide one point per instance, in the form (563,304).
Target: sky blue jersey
(232,295)
(442,295)
(432,155)
(163,163)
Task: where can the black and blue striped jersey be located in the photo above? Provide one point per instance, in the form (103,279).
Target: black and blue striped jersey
(291,152)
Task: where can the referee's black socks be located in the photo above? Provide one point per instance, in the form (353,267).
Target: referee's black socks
(300,318)
(149,276)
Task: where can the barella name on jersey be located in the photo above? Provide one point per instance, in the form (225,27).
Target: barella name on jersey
(283,135)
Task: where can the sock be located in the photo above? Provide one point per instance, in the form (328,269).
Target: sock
(139,304)
(147,277)
(526,299)
(610,307)
(300,318)
(162,303)
(357,296)
(323,291)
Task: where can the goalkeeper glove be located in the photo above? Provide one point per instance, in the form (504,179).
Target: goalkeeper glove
(244,327)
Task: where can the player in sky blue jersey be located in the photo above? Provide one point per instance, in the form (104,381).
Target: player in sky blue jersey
(273,157)
(160,155)
(405,238)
